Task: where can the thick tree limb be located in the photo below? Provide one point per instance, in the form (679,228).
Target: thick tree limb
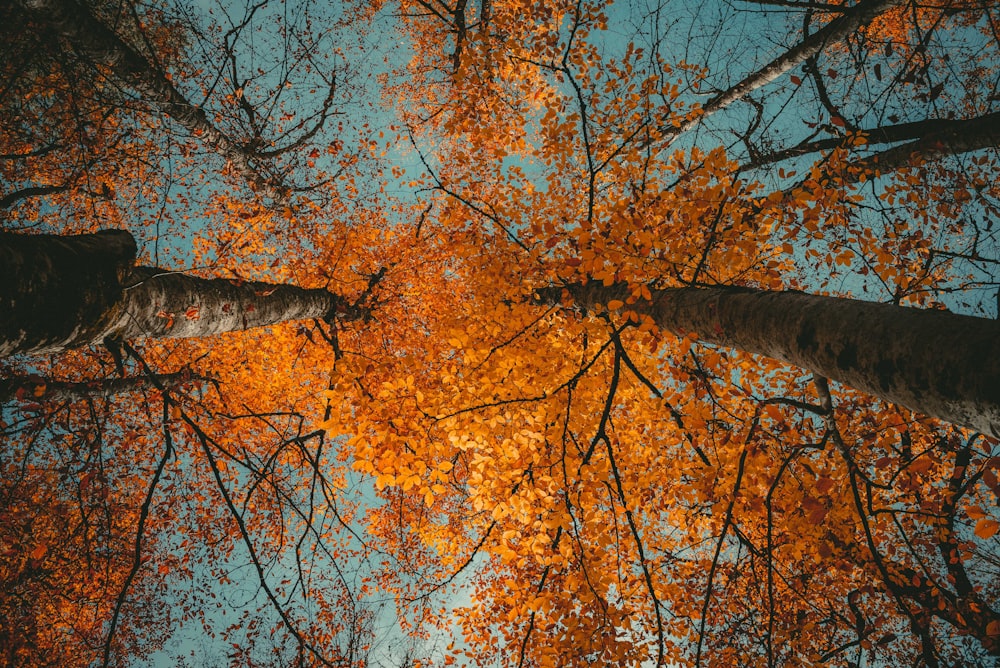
(931,138)
(936,139)
(63,292)
(38,389)
(941,364)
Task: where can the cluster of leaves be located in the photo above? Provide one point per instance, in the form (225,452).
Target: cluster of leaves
(599,491)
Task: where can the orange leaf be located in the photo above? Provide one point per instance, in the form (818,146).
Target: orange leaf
(39,552)
(976,512)
(986,528)
(824,484)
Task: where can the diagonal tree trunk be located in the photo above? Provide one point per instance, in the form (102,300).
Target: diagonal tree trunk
(40,390)
(837,30)
(930,138)
(933,362)
(63,292)
(946,138)
(79,27)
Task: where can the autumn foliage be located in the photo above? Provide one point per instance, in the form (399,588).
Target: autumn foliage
(503,458)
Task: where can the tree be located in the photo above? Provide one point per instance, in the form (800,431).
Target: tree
(521,425)
(66,292)
(628,496)
(87,34)
(937,363)
(110,498)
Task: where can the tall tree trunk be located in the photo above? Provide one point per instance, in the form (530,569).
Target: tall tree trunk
(835,31)
(933,362)
(79,27)
(63,292)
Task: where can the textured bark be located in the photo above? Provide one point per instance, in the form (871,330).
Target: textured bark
(173,305)
(837,30)
(88,35)
(928,138)
(933,362)
(949,138)
(58,293)
(40,390)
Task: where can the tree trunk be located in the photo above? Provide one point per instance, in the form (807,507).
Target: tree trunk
(933,362)
(949,138)
(837,30)
(33,389)
(58,293)
(927,139)
(86,33)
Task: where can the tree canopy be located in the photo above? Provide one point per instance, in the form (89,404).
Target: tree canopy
(437,332)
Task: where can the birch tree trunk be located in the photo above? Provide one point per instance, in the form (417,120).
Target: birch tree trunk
(63,292)
(837,30)
(934,362)
(86,33)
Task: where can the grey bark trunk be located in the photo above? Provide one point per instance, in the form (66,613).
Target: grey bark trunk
(58,293)
(934,362)
(87,34)
(39,390)
(837,30)
(929,139)
(952,138)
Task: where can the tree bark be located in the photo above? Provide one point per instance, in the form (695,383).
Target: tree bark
(835,31)
(928,139)
(941,364)
(947,138)
(90,36)
(63,292)
(40,390)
